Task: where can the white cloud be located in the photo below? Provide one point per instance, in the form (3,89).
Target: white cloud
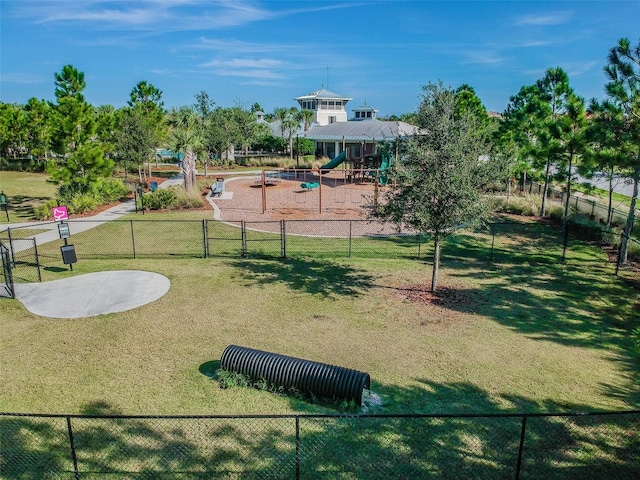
(145,15)
(576,69)
(557,18)
(160,15)
(255,73)
(245,63)
(21,78)
(487,57)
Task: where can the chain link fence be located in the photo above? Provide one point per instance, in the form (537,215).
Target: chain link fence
(499,243)
(500,446)
(589,207)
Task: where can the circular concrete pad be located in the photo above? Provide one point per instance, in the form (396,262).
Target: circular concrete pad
(92,294)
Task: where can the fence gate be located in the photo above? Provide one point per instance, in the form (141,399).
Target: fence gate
(6,286)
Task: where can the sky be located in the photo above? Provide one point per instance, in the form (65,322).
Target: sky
(379,53)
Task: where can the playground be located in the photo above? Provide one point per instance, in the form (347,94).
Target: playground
(336,190)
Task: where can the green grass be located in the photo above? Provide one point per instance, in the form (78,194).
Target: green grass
(524,336)
(525,333)
(25,191)
(620,201)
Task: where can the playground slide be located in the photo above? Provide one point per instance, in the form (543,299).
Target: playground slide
(335,162)
(387,160)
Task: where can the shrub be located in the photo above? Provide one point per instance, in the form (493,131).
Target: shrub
(109,190)
(186,200)
(583,227)
(160,199)
(528,205)
(82,204)
(556,212)
(44,211)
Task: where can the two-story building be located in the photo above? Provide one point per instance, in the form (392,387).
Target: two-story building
(332,132)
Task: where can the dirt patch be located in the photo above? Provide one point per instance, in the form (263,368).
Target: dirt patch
(445,297)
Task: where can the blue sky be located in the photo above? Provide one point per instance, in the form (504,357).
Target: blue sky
(240,52)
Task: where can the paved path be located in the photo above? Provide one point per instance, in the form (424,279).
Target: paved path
(84,223)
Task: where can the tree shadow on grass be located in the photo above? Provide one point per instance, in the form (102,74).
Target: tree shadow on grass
(23,207)
(325,278)
(578,303)
(350,446)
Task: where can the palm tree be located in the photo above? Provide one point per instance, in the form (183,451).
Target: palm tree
(186,138)
(306,117)
(291,124)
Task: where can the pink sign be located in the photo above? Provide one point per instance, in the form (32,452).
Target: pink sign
(60,213)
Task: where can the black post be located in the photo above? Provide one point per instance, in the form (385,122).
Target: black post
(142,199)
(521,447)
(73,449)
(243,228)
(297,447)
(204,237)
(133,239)
(283,238)
(13,256)
(35,251)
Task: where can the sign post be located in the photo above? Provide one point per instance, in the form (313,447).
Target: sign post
(60,214)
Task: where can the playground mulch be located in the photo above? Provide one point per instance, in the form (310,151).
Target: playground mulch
(287,200)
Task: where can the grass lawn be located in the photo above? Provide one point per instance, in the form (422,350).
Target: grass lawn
(508,337)
(25,191)
(518,335)
(523,334)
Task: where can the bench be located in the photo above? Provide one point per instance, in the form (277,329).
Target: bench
(216,189)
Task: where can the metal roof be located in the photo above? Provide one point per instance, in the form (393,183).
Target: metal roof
(364,130)
(322,94)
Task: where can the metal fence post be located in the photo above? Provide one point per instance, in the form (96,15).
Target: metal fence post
(419,244)
(13,258)
(521,447)
(297,447)
(283,239)
(37,258)
(243,233)
(73,449)
(133,239)
(205,243)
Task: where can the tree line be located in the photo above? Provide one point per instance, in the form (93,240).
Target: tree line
(77,143)
(547,132)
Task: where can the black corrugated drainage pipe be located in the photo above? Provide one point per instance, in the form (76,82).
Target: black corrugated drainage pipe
(319,379)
